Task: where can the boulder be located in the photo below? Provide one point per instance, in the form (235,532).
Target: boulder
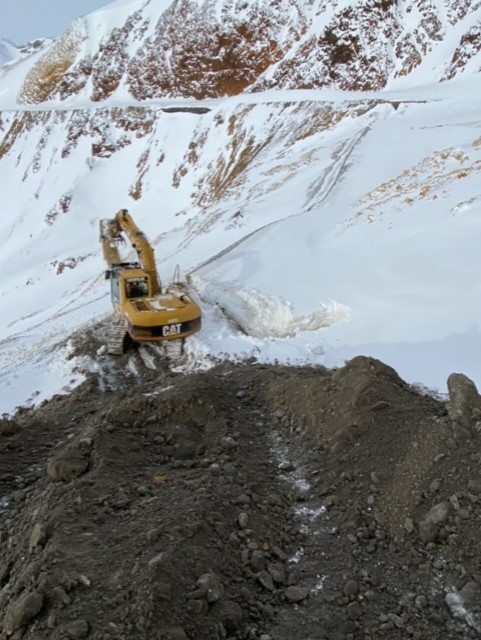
(230,614)
(22,611)
(464,402)
(67,466)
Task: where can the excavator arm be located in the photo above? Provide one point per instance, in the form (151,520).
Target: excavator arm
(111,233)
(109,244)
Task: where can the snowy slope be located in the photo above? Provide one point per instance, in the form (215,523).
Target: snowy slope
(8,52)
(316,224)
(11,53)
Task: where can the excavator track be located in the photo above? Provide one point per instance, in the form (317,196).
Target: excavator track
(174,350)
(116,340)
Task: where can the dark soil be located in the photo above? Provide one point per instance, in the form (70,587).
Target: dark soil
(249,501)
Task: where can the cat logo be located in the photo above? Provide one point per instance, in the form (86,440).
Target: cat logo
(171,329)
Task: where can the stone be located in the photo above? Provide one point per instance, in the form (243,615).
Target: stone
(68,466)
(277,572)
(331,501)
(265,579)
(354,610)
(474,486)
(38,537)
(258,561)
(234,539)
(230,614)
(279,553)
(77,629)
(464,399)
(153,535)
(197,607)
(22,611)
(428,527)
(211,586)
(243,520)
(227,443)
(142,490)
(296,594)
(351,588)
(157,560)
(268,611)
(438,513)
(428,532)
(408,525)
(380,404)
(454,500)
(396,620)
(434,486)
(60,597)
(286,466)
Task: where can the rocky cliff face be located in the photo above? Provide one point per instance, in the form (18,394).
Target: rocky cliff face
(212,48)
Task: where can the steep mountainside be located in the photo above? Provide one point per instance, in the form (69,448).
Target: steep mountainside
(223,126)
(212,48)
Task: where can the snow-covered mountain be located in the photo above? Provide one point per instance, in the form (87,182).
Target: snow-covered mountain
(314,166)
(213,48)
(8,52)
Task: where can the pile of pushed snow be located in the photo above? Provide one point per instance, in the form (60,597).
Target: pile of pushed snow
(266,316)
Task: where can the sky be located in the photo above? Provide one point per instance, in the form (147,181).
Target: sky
(24,20)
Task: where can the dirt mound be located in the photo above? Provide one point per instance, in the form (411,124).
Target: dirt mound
(248,501)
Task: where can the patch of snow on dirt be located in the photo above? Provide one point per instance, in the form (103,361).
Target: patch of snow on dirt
(319,586)
(458,610)
(310,514)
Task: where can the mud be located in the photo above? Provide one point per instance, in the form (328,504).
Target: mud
(248,501)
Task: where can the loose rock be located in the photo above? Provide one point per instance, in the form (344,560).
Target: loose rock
(22,611)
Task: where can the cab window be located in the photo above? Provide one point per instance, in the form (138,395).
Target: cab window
(114,289)
(137,288)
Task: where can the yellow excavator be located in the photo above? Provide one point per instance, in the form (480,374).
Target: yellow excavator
(145,310)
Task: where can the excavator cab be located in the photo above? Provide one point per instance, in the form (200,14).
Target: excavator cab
(138,288)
